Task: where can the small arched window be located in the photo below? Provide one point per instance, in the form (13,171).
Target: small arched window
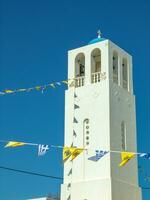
(115,67)
(79,65)
(123,135)
(96,65)
(79,70)
(125,73)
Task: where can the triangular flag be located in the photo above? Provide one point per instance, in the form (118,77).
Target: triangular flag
(74,133)
(76,106)
(125,157)
(8,91)
(14,144)
(30,89)
(2,93)
(52,85)
(147,179)
(21,90)
(67,152)
(76,152)
(145,155)
(70,172)
(58,83)
(75,95)
(38,87)
(65,82)
(75,120)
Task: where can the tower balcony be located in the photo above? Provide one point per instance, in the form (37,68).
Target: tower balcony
(96,77)
(79,81)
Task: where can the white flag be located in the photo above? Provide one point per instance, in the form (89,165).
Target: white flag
(42,149)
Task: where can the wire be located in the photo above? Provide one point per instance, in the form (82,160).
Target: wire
(44,175)
(31,173)
(145,188)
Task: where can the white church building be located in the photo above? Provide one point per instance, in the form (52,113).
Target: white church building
(100,115)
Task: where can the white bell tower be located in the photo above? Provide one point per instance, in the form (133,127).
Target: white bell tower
(100,115)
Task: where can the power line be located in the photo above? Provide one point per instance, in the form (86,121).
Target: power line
(44,175)
(31,173)
(144,188)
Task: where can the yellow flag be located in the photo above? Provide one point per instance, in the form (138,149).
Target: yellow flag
(125,157)
(38,87)
(8,91)
(67,152)
(76,152)
(14,144)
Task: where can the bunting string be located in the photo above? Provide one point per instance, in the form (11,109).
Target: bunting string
(73,152)
(142,154)
(42,88)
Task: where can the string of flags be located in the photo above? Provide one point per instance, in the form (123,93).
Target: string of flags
(42,149)
(73,152)
(42,88)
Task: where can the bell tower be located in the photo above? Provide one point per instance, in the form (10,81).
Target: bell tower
(100,115)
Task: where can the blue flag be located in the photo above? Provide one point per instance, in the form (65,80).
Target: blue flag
(145,155)
(98,155)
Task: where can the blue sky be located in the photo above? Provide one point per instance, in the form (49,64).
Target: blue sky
(34,39)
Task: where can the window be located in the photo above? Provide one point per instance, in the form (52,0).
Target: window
(123,135)
(79,70)
(95,65)
(115,67)
(80,65)
(125,73)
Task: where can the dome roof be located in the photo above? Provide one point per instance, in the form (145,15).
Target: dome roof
(98,39)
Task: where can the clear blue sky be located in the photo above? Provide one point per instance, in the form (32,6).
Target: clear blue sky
(34,39)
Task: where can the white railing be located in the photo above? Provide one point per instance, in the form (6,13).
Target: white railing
(97,77)
(79,81)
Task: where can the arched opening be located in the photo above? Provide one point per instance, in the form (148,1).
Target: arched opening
(123,135)
(79,70)
(95,65)
(125,73)
(115,67)
(79,65)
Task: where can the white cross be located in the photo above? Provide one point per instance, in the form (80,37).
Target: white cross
(99,34)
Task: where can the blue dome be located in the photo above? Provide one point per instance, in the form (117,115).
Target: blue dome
(96,40)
